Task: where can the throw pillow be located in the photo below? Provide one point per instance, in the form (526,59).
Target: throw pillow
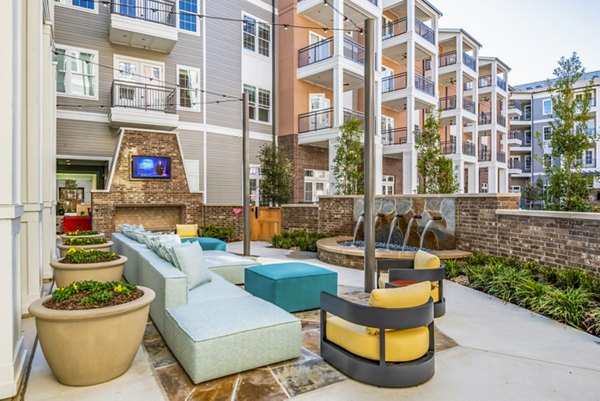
(425,260)
(187,230)
(190,259)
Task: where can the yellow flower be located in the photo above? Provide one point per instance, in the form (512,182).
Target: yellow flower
(118,289)
(75,286)
(72,250)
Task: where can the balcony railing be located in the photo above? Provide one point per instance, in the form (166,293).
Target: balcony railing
(448,103)
(485,118)
(515,135)
(485,82)
(350,114)
(514,164)
(157,11)
(501,83)
(447,59)
(316,52)
(315,120)
(424,31)
(485,156)
(448,147)
(394,28)
(501,157)
(469,148)
(393,83)
(501,120)
(397,136)
(469,105)
(424,85)
(354,51)
(141,96)
(469,62)
(427,64)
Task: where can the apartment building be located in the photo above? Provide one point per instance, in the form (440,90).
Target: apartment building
(531,107)
(420,67)
(156,65)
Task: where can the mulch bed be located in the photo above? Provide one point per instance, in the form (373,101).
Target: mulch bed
(73,302)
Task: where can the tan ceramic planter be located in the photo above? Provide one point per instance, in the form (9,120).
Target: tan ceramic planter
(66,273)
(98,247)
(87,347)
(99,235)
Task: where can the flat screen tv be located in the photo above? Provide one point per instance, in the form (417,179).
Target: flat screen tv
(150,167)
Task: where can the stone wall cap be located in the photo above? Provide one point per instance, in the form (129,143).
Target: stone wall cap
(406,196)
(549,214)
(301,205)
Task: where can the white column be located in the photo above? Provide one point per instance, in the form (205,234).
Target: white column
(459,100)
(410,180)
(459,166)
(378,144)
(492,179)
(333,145)
(12,353)
(473,171)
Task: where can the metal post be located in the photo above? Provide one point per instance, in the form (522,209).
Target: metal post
(274,83)
(370,131)
(246,172)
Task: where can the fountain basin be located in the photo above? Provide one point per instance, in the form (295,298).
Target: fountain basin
(331,250)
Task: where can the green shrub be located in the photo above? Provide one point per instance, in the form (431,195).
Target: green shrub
(80,255)
(79,241)
(92,294)
(532,295)
(569,306)
(505,283)
(224,233)
(300,239)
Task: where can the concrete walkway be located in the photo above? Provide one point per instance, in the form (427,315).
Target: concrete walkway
(504,352)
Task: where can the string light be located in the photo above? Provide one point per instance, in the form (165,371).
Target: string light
(101,106)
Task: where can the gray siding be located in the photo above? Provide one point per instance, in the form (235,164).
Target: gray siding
(192,147)
(84,138)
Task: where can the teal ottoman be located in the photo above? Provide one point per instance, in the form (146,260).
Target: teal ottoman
(207,244)
(291,286)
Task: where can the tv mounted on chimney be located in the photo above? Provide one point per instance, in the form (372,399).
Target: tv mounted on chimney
(150,167)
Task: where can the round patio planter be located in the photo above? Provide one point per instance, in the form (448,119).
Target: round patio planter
(86,347)
(99,235)
(98,247)
(66,273)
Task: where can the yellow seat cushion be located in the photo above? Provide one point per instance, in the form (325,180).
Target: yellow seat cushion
(435,287)
(425,260)
(401,297)
(187,230)
(400,345)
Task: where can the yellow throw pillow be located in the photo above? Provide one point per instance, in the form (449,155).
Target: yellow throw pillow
(187,230)
(424,260)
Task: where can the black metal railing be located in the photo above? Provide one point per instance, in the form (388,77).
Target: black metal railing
(448,58)
(485,118)
(397,136)
(469,105)
(501,157)
(315,120)
(448,103)
(316,52)
(354,51)
(394,28)
(157,11)
(501,120)
(485,81)
(485,156)
(393,83)
(424,85)
(515,164)
(515,135)
(448,147)
(141,96)
(427,65)
(350,114)
(501,83)
(469,62)
(424,31)
(469,148)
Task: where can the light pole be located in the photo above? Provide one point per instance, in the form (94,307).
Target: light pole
(246,173)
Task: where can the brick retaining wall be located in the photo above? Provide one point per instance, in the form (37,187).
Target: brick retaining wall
(300,217)
(224,216)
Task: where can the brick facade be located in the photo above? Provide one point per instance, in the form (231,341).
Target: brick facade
(393,167)
(300,217)
(137,194)
(336,214)
(225,216)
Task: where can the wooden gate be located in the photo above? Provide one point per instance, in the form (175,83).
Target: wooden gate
(264,222)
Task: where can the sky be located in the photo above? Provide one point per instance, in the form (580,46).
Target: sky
(529,35)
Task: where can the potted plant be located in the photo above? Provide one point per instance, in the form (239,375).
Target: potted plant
(81,264)
(97,243)
(81,233)
(90,331)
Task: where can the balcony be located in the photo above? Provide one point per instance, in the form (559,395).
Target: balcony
(515,138)
(515,166)
(448,103)
(470,62)
(448,58)
(501,83)
(322,14)
(469,105)
(151,24)
(350,114)
(501,120)
(394,83)
(316,52)
(394,28)
(354,51)
(397,136)
(424,85)
(485,81)
(485,118)
(468,148)
(142,105)
(501,157)
(485,156)
(424,31)
(315,120)
(448,147)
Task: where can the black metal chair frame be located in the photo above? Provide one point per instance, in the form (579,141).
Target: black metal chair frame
(405,270)
(378,373)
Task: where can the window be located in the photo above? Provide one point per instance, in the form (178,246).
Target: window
(264,103)
(255,177)
(189,85)
(188,21)
(316,183)
(527,138)
(547,160)
(589,158)
(387,28)
(388,185)
(547,107)
(527,112)
(257,35)
(77,73)
(515,188)
(85,4)
(547,133)
(528,162)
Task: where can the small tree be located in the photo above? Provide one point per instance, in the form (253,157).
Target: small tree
(276,171)
(534,192)
(568,187)
(435,169)
(348,161)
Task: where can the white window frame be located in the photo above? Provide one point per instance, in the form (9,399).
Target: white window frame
(195,107)
(68,60)
(118,57)
(527,110)
(198,20)
(544,132)
(257,22)
(526,162)
(256,104)
(69,4)
(544,103)
(255,174)
(388,181)
(313,181)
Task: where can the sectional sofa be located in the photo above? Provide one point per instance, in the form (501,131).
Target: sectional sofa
(217,328)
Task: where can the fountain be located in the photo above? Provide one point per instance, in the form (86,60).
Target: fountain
(410,223)
(427,226)
(358,221)
(392,226)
